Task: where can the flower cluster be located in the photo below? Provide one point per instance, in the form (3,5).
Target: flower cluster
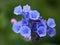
(32,23)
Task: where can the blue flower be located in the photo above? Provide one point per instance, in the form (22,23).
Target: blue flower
(16,26)
(34,15)
(18,10)
(51,32)
(51,22)
(41,31)
(42,23)
(25,31)
(26,8)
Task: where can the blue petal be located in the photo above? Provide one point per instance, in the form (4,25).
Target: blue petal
(18,10)
(51,23)
(41,31)
(25,15)
(16,27)
(33,26)
(24,22)
(25,31)
(34,15)
(42,23)
(51,32)
(26,8)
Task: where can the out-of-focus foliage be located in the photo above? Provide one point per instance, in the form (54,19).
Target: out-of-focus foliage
(47,8)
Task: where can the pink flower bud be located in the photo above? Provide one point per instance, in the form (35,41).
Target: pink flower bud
(13,21)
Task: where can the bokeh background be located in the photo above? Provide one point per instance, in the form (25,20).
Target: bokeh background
(47,9)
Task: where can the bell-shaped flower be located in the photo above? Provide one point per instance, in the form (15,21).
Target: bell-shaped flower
(51,32)
(34,15)
(26,8)
(25,31)
(18,10)
(16,27)
(51,23)
(41,31)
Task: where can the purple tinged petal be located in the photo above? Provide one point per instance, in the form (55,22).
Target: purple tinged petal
(33,26)
(24,22)
(26,15)
(51,32)
(34,15)
(28,38)
(51,23)
(41,31)
(18,10)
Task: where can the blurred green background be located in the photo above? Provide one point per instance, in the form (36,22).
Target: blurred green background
(47,8)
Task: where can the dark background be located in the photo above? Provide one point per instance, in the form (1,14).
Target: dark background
(47,9)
